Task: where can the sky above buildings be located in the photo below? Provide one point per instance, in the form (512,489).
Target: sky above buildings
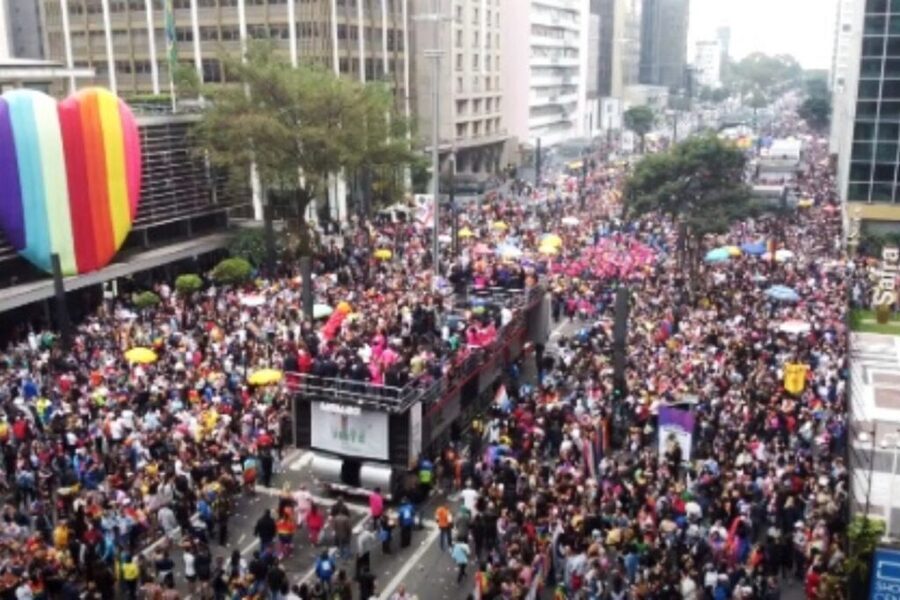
(803,28)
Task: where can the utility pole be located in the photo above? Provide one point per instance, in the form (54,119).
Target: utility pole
(454,214)
(434,55)
(537,164)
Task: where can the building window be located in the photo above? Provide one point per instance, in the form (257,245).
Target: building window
(459,38)
(459,85)
(459,13)
(459,62)
(461,107)
(475,16)
(474,61)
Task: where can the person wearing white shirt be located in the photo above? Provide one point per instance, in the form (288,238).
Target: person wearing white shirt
(470,498)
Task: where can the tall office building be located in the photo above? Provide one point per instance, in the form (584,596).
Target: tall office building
(124,41)
(664,33)
(723,35)
(869,158)
(25,28)
(617,60)
(545,68)
(468,36)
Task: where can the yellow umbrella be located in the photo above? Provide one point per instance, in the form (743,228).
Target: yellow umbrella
(344,307)
(141,356)
(805,203)
(551,239)
(264,377)
(465,232)
(548,250)
(500,226)
(383,254)
(733,250)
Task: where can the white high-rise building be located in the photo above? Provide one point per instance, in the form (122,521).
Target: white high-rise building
(845,36)
(708,63)
(545,68)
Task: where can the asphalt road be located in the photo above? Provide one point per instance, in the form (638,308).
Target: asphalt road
(422,567)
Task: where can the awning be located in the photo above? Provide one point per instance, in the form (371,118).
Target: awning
(36,291)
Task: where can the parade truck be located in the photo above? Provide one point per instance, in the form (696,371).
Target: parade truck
(362,436)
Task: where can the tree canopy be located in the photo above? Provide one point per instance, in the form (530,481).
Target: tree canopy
(816,106)
(639,119)
(699,183)
(283,118)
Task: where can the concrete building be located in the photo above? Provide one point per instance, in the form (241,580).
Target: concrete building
(469,83)
(708,63)
(869,144)
(124,42)
(4,31)
(617,61)
(544,61)
(664,33)
(25,29)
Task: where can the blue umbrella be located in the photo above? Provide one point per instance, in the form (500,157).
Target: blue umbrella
(717,255)
(754,249)
(782,293)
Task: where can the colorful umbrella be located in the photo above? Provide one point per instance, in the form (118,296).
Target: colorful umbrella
(465,232)
(481,248)
(499,225)
(754,248)
(264,377)
(548,250)
(782,293)
(509,252)
(383,254)
(733,250)
(717,255)
(141,356)
(805,203)
(551,239)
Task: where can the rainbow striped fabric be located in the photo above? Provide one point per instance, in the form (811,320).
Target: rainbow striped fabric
(70,176)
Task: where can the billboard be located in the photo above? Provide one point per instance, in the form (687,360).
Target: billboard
(70,177)
(349,430)
(885,575)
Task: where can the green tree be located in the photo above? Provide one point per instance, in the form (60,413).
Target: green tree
(250,244)
(188,283)
(816,111)
(282,119)
(232,271)
(698,183)
(639,119)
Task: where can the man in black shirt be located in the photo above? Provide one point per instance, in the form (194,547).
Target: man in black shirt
(366,584)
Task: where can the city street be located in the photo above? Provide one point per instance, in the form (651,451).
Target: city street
(422,567)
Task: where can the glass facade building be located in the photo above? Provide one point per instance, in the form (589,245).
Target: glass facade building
(875,155)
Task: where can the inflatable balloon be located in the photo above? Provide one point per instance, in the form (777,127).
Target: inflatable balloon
(70,177)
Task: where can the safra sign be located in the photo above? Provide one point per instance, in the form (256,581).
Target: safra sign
(886,290)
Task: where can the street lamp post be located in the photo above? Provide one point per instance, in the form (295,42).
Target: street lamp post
(435,57)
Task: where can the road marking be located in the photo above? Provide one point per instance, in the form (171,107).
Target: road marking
(302,463)
(411,562)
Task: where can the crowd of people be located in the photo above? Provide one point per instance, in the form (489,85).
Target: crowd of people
(566,487)
(570,482)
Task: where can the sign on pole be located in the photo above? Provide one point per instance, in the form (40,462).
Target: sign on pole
(885,575)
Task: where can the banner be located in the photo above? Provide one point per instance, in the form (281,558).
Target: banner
(424,209)
(678,425)
(885,575)
(795,377)
(349,431)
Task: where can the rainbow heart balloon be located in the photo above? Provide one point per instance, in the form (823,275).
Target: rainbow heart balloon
(70,177)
